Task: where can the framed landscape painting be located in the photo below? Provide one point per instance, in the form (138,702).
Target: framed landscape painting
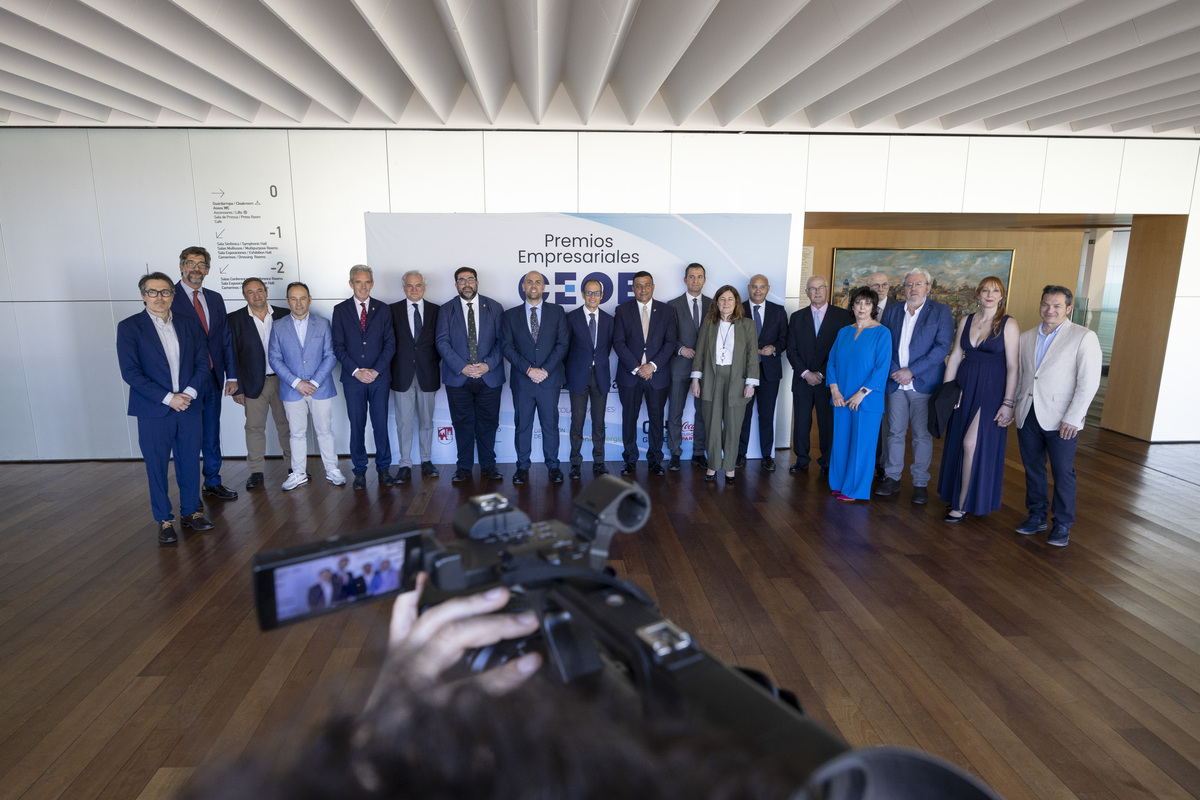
(956,273)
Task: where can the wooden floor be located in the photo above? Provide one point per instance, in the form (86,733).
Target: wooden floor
(1051,673)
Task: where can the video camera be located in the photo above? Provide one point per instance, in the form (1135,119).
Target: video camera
(599,630)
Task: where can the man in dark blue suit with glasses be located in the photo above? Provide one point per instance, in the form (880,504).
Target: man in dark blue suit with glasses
(589,375)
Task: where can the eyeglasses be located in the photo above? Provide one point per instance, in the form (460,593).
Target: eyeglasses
(201,264)
(593,294)
(158,292)
(466,280)
(911,285)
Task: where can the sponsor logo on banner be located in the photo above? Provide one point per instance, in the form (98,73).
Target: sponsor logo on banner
(689,431)
(446,434)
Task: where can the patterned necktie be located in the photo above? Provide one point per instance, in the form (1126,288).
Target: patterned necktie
(696,312)
(416,322)
(362,318)
(534,328)
(758,325)
(203,322)
(592,328)
(472,336)
(645,330)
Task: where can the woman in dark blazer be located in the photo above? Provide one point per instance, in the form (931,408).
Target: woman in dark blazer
(724,374)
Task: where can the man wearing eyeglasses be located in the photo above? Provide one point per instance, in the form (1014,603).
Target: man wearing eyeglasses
(922,333)
(164,360)
(589,375)
(468,337)
(207,309)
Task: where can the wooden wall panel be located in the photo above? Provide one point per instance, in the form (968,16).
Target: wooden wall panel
(1144,324)
(1039,257)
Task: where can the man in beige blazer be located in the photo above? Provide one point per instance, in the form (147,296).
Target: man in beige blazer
(1058,375)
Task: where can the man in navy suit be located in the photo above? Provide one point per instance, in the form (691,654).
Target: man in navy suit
(207,309)
(588,374)
(922,334)
(690,308)
(811,335)
(534,340)
(771,321)
(258,386)
(416,374)
(468,338)
(164,361)
(644,340)
(364,342)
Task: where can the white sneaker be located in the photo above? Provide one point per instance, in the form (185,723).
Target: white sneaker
(294,480)
(335,477)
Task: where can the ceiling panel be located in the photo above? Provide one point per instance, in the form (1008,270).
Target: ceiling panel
(979,67)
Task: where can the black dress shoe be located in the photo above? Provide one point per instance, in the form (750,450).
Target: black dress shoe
(599,469)
(254,481)
(221,491)
(196,521)
(700,461)
(711,477)
(886,487)
(427,468)
(674,464)
(741,462)
(657,469)
(404,475)
(360,480)
(556,475)
(460,475)
(768,464)
(798,467)
(953,519)
(492,474)
(920,495)
(730,478)
(385,478)
(628,469)
(520,476)
(575,473)
(166,532)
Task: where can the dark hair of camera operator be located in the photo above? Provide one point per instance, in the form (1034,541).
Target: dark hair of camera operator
(489,736)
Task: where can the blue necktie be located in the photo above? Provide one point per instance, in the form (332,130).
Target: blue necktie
(592,328)
(758,326)
(416,322)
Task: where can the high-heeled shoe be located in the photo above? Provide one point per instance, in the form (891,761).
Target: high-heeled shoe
(710,476)
(953,519)
(729,478)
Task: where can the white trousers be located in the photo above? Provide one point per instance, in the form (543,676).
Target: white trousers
(322,415)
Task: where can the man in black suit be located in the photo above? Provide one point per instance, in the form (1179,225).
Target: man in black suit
(533,337)
(589,374)
(364,342)
(690,308)
(258,387)
(416,374)
(811,334)
(771,321)
(323,593)
(644,340)
(207,309)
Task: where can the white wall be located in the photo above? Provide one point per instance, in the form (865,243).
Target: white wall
(83,213)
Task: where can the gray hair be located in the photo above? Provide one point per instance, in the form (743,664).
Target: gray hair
(357,268)
(924,273)
(404,278)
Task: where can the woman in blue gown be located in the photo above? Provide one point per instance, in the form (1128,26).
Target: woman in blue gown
(984,362)
(858,365)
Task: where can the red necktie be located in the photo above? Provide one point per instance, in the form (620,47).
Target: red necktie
(362,319)
(203,322)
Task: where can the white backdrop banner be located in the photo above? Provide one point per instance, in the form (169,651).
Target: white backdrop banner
(569,249)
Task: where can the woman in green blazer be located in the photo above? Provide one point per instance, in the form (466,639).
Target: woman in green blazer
(724,374)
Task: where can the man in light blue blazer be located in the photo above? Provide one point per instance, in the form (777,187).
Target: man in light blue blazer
(301,353)
(468,338)
(922,334)
(164,361)
(534,340)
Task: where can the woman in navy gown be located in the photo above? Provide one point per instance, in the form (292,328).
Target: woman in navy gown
(984,362)
(857,375)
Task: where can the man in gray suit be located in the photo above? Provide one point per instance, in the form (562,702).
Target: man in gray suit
(690,308)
